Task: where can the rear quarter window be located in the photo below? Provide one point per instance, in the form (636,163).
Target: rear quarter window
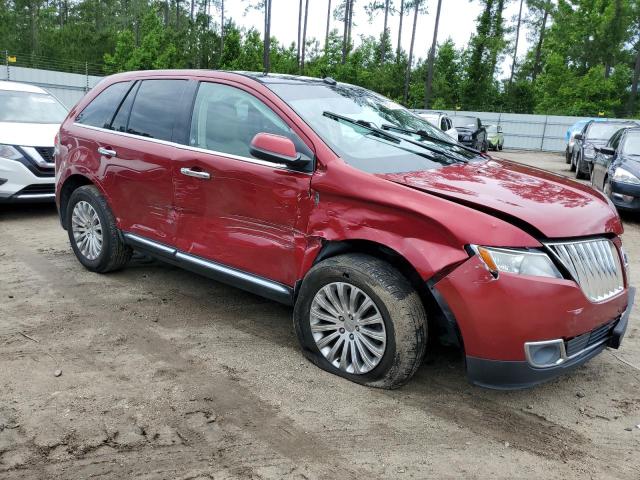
(101,109)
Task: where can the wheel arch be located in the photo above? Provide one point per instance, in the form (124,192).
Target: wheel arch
(437,315)
(72,183)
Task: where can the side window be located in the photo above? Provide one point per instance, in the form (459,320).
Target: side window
(101,109)
(122,116)
(154,108)
(225,119)
(615,140)
(443,124)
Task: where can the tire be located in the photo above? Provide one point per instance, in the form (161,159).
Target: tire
(403,320)
(572,167)
(567,156)
(580,175)
(500,146)
(113,253)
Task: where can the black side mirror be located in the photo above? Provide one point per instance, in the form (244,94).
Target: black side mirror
(578,136)
(606,150)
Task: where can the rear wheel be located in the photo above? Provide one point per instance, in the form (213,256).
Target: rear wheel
(93,233)
(580,168)
(358,317)
(572,167)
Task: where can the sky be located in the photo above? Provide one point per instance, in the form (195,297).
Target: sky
(457,20)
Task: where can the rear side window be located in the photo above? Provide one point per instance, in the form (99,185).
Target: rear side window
(154,108)
(122,117)
(102,108)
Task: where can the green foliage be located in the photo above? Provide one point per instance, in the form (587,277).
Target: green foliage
(580,62)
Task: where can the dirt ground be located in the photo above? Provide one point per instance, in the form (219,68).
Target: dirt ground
(168,375)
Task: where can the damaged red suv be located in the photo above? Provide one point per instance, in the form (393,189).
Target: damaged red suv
(381,232)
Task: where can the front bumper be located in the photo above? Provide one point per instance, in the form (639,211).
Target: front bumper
(625,196)
(18,184)
(496,317)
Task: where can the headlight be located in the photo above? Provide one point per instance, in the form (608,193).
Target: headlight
(624,176)
(589,151)
(10,153)
(522,262)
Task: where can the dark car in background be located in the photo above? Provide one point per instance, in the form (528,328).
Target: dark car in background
(471,132)
(594,134)
(616,169)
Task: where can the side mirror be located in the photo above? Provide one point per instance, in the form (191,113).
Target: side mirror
(277,149)
(578,136)
(606,150)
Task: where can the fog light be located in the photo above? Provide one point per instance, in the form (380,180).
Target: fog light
(624,198)
(545,354)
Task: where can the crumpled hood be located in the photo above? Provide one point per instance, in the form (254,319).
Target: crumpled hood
(552,205)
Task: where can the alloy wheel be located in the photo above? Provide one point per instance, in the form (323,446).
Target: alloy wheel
(87,230)
(348,328)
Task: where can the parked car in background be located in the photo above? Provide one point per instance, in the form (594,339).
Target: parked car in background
(569,137)
(595,133)
(471,132)
(353,210)
(29,120)
(439,120)
(495,137)
(616,169)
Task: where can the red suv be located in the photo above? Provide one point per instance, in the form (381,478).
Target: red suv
(383,233)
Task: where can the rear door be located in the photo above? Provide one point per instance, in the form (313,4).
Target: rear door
(234,209)
(138,158)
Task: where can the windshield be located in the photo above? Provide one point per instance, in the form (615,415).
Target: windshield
(631,144)
(491,128)
(29,107)
(465,122)
(320,105)
(603,131)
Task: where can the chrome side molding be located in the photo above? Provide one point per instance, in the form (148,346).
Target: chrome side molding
(217,271)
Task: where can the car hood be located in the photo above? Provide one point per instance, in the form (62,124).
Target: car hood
(28,134)
(540,202)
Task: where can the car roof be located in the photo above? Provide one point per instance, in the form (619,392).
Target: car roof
(20,87)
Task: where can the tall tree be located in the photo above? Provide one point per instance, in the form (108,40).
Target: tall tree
(399,48)
(515,47)
(417,5)
(545,8)
(266,57)
(430,61)
(299,32)
(304,35)
(326,36)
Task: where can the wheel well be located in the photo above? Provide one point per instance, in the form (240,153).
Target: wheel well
(70,184)
(437,318)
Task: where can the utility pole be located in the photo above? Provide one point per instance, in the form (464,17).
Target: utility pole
(6,62)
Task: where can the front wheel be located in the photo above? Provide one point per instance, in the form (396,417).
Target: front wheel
(580,173)
(358,317)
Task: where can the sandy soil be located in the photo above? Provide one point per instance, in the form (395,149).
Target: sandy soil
(165,374)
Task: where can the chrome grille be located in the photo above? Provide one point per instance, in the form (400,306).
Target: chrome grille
(594,264)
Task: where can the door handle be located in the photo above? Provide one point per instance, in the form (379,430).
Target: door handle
(189,172)
(106,152)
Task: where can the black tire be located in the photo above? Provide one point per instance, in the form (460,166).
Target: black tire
(399,304)
(567,156)
(114,254)
(580,174)
(572,167)
(500,147)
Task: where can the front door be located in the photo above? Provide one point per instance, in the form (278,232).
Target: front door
(232,208)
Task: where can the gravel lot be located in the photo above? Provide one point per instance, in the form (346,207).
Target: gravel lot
(166,374)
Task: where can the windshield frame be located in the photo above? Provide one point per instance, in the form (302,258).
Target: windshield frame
(627,137)
(616,125)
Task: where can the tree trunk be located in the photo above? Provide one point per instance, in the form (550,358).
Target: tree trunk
(299,33)
(193,3)
(383,47)
(515,48)
(351,2)
(400,31)
(326,35)
(345,33)
(221,31)
(304,35)
(266,59)
(431,60)
(177,14)
(536,62)
(166,13)
(631,106)
(407,74)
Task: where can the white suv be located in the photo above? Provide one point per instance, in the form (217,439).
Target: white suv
(439,120)
(29,121)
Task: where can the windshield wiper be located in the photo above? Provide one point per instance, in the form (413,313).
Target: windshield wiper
(423,134)
(392,138)
(363,124)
